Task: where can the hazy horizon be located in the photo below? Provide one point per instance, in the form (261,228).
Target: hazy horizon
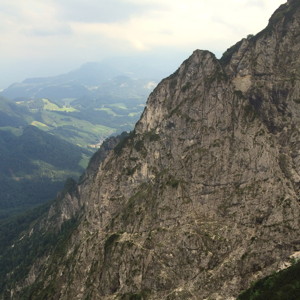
(52,37)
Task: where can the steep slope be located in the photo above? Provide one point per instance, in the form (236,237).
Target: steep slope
(18,252)
(201,199)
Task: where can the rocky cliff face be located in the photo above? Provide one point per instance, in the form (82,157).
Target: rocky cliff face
(202,198)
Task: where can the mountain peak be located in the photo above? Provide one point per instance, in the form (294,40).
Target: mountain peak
(197,72)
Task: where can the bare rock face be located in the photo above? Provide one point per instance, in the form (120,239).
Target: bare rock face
(202,198)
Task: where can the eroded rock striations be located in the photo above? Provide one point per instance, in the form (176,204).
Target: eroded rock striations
(202,198)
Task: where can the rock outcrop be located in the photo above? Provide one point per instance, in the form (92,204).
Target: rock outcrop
(202,198)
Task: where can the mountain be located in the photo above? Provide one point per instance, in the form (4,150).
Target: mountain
(197,202)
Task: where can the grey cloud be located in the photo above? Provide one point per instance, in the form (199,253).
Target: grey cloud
(99,11)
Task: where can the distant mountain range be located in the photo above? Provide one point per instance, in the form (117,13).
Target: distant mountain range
(96,93)
(91,79)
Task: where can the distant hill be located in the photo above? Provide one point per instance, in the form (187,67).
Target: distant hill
(50,127)
(12,114)
(34,166)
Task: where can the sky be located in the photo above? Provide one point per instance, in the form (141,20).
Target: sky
(50,37)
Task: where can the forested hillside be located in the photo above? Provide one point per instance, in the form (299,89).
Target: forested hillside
(284,285)
(34,166)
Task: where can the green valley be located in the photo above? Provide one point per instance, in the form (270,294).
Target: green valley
(50,127)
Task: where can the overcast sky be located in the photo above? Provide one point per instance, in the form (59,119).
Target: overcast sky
(49,37)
